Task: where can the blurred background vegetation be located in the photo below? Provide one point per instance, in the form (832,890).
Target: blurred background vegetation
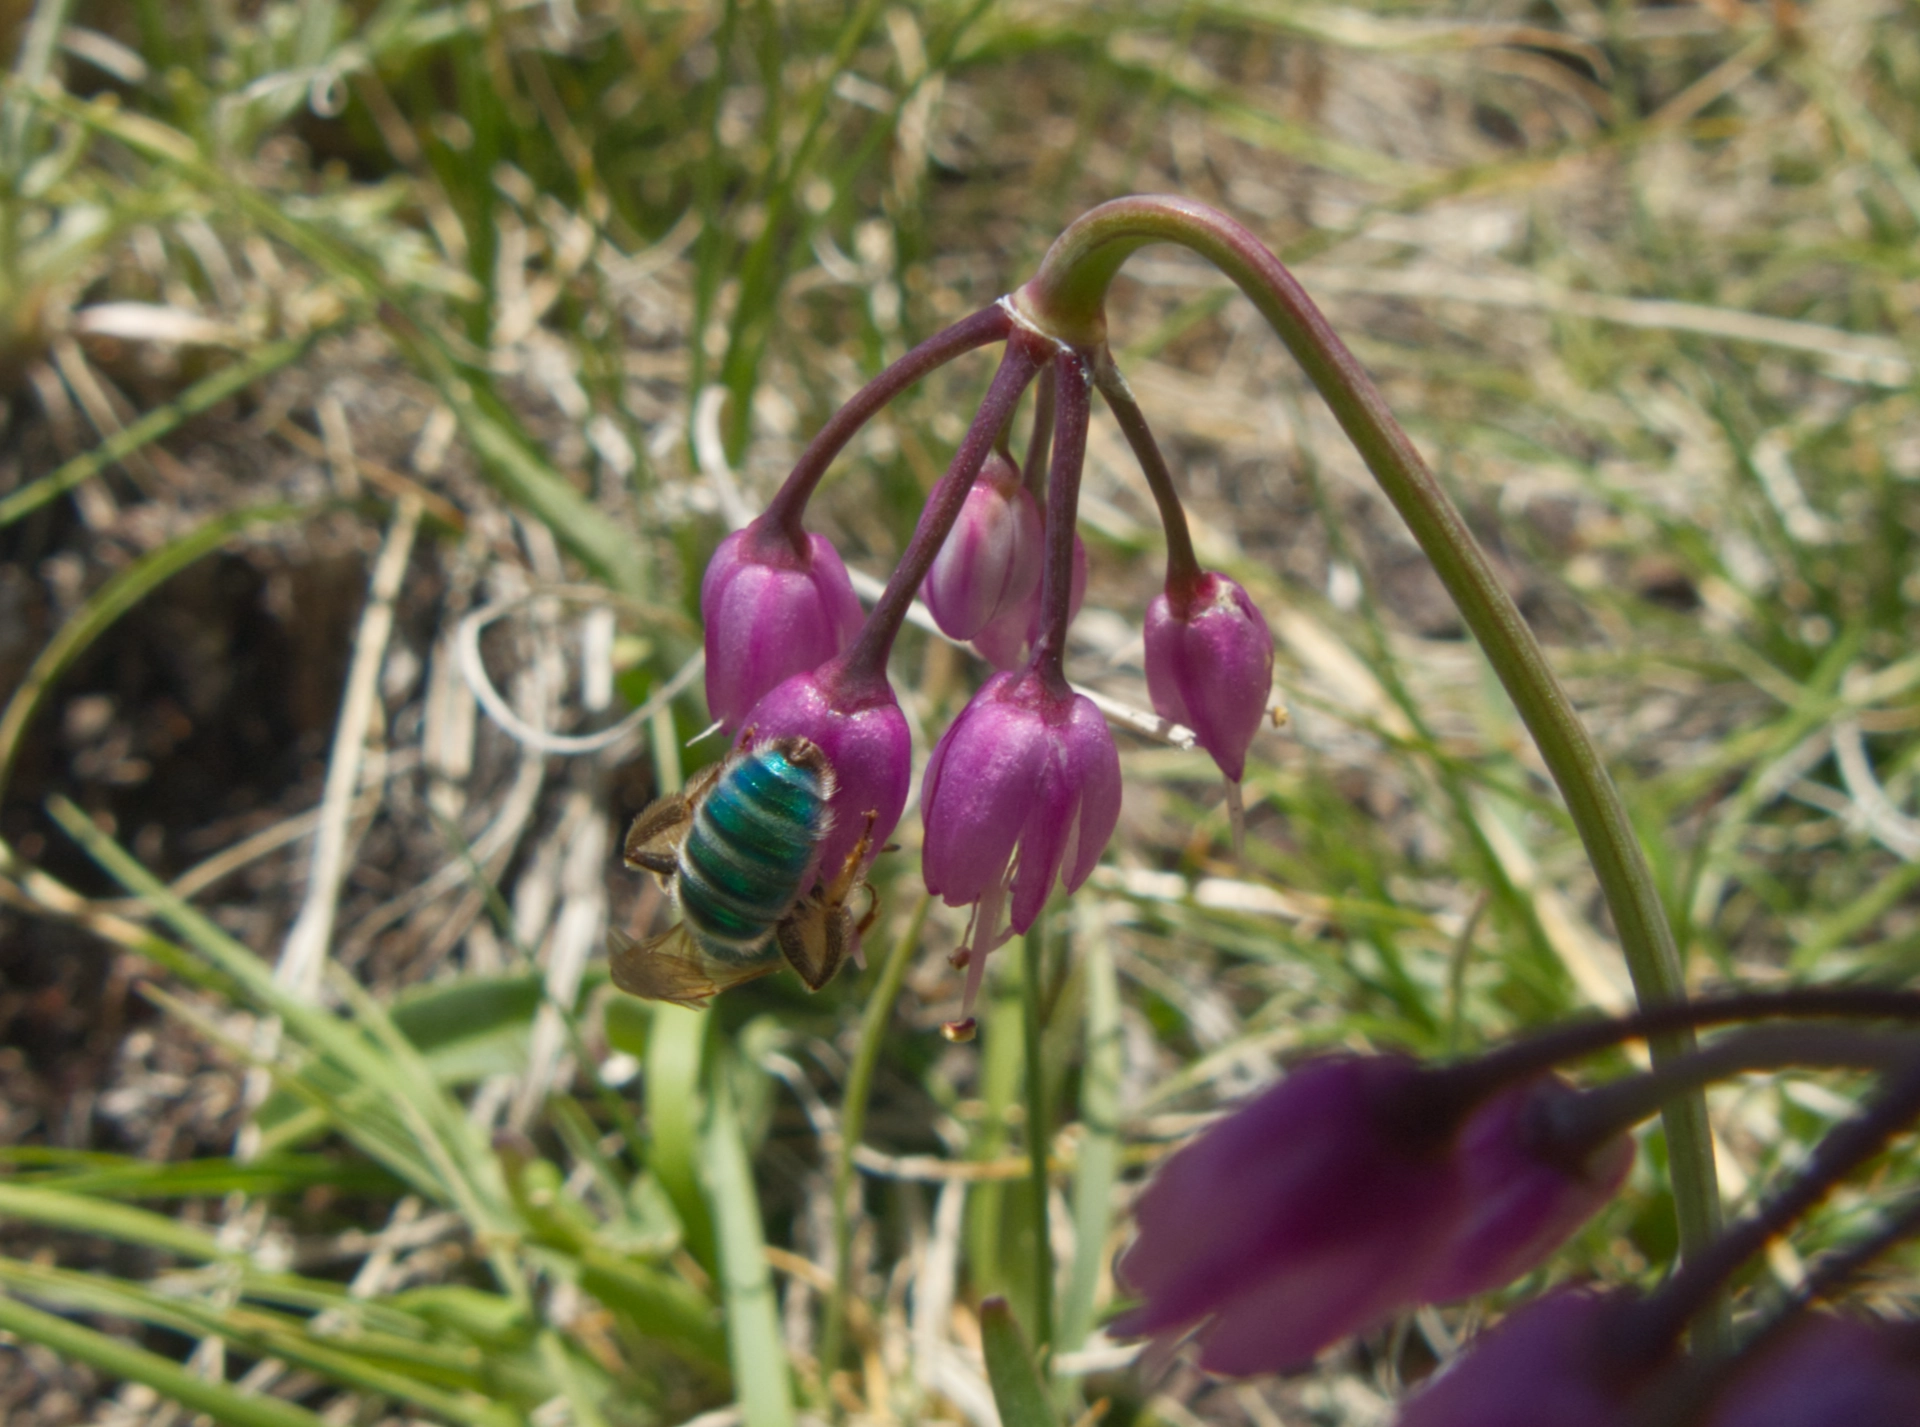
(360,362)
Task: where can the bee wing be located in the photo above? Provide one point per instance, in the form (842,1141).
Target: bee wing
(661,968)
(669,967)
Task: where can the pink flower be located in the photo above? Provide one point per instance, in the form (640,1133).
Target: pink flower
(771,612)
(1210,666)
(990,562)
(1023,788)
(865,738)
(1521,1196)
(1558,1361)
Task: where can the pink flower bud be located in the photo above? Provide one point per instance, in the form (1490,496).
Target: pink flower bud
(865,740)
(1210,667)
(990,562)
(1521,1197)
(769,614)
(1006,640)
(1308,1214)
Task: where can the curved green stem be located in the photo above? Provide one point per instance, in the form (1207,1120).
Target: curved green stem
(1039,1134)
(853,1124)
(1065,299)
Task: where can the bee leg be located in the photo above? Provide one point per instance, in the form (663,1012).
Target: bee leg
(836,892)
(865,924)
(653,841)
(817,935)
(813,938)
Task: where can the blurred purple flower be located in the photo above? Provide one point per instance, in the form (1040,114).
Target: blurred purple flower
(1309,1213)
(1210,666)
(990,562)
(1022,788)
(1861,1372)
(770,613)
(1554,1362)
(1521,1195)
(1354,1188)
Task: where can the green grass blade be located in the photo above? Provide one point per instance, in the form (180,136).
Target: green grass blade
(673,1120)
(64,1209)
(201,396)
(408,1371)
(117,1176)
(1099,1150)
(853,1122)
(122,1360)
(659,1305)
(1038,1132)
(760,1377)
(1018,1390)
(574,1381)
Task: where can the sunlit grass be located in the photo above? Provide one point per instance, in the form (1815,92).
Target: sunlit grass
(1639,281)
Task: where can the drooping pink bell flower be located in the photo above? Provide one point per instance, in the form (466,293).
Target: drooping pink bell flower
(1309,1213)
(1023,788)
(1210,665)
(771,612)
(1006,640)
(1522,1194)
(990,562)
(1558,1361)
(1863,1372)
(864,735)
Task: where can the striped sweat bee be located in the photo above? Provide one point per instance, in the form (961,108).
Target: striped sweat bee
(737,852)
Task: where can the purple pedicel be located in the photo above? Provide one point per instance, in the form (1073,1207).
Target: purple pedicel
(1554,1362)
(1520,1200)
(865,738)
(1827,1369)
(1210,666)
(1026,769)
(770,612)
(1006,641)
(1310,1213)
(990,562)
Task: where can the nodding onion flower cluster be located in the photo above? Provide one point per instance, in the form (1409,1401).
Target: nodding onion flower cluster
(1359,1187)
(1023,789)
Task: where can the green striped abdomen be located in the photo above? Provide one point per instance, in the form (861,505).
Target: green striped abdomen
(751,843)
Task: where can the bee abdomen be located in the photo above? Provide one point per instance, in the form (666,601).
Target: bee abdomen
(751,844)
